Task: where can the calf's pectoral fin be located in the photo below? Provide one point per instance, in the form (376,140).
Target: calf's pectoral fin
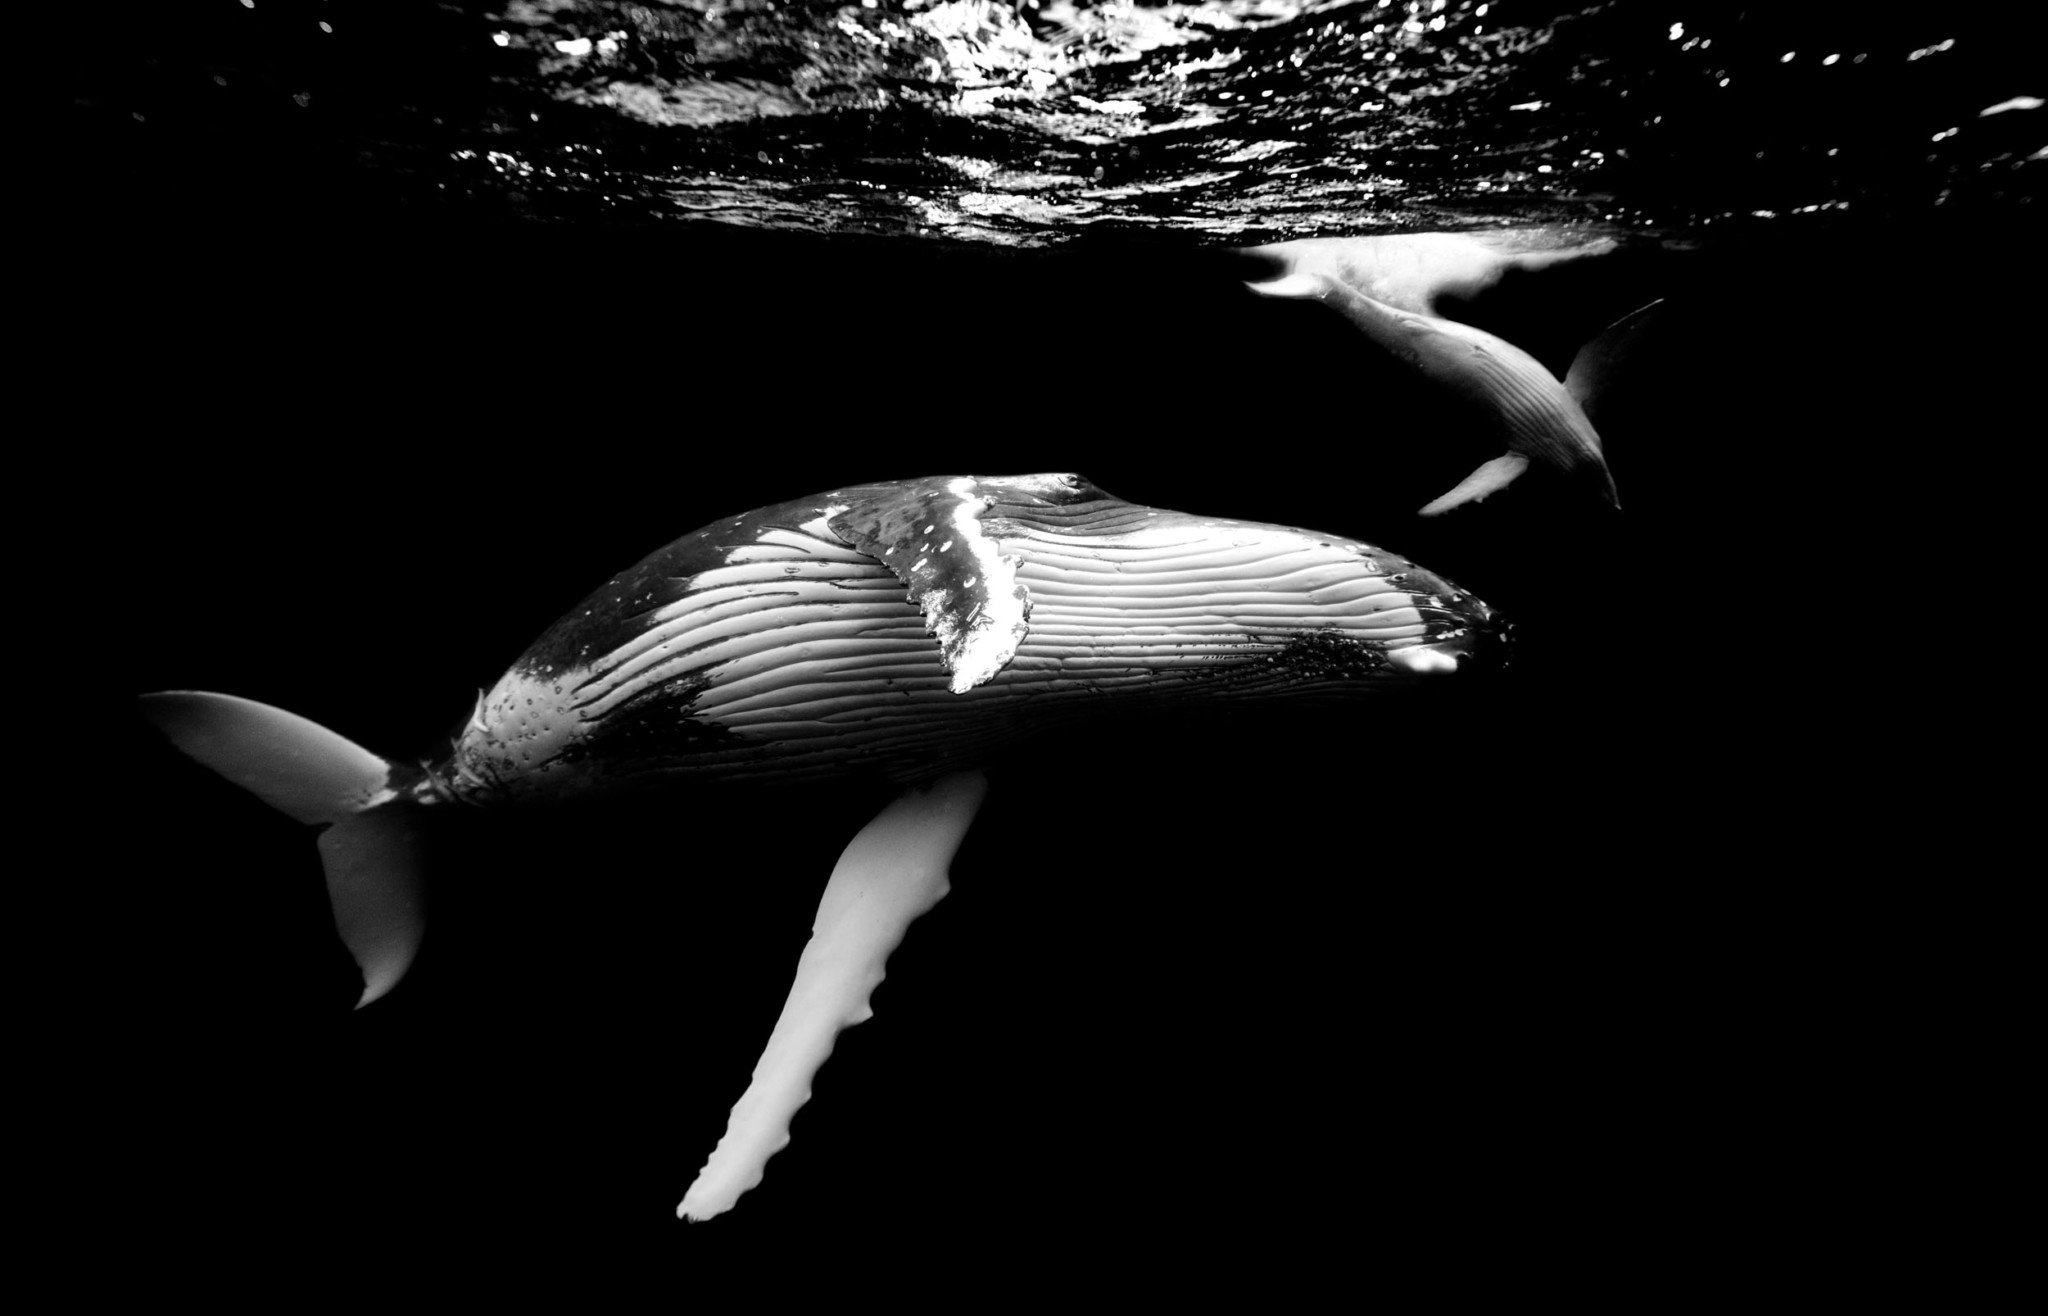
(890,873)
(1488,478)
(1307,287)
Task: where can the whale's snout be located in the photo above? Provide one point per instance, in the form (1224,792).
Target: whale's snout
(1463,634)
(1482,648)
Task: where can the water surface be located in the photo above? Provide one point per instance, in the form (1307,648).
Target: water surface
(1029,124)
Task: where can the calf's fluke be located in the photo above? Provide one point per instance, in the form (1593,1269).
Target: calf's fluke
(905,631)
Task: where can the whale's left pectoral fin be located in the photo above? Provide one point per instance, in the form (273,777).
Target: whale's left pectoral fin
(890,873)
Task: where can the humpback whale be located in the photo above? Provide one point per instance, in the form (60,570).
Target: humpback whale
(1393,290)
(901,632)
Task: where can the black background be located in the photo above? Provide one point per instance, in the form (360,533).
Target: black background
(1628,967)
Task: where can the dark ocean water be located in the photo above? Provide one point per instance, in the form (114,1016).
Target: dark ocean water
(384,332)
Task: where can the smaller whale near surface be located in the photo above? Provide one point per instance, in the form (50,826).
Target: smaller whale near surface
(904,632)
(1393,289)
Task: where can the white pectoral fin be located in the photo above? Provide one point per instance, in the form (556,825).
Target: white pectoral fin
(890,873)
(1309,286)
(1491,476)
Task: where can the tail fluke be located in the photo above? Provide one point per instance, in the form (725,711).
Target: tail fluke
(1598,362)
(308,772)
(375,884)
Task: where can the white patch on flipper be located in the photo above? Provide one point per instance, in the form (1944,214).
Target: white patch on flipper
(890,873)
(970,602)
(977,644)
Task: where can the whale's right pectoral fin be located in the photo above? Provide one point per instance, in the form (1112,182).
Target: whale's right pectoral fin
(890,873)
(1490,477)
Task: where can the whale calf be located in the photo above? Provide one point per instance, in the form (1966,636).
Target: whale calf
(904,631)
(1393,290)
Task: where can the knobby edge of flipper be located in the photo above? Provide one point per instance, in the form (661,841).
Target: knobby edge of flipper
(368,845)
(894,870)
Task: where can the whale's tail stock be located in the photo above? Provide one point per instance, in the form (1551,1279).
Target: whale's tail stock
(367,841)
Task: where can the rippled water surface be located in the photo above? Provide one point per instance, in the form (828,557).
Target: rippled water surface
(1026,123)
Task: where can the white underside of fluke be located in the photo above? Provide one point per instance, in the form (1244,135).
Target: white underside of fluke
(316,776)
(291,763)
(888,875)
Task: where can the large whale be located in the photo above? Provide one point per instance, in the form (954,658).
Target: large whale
(904,631)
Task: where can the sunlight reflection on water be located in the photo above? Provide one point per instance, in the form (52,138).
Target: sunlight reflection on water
(1027,123)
